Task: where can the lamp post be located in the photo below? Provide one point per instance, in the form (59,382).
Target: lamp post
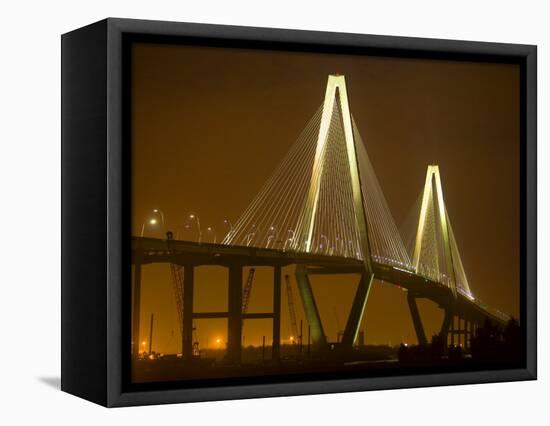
(326,241)
(334,248)
(272,236)
(230,225)
(162,218)
(342,246)
(210,229)
(192,216)
(150,222)
(290,231)
(251,234)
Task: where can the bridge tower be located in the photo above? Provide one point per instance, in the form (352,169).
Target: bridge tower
(433,197)
(433,182)
(336,97)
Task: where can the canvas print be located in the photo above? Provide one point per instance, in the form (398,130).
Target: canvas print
(305,215)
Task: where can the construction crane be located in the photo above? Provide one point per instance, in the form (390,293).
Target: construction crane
(247,290)
(291,309)
(177,285)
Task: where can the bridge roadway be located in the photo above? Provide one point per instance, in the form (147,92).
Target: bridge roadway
(462,314)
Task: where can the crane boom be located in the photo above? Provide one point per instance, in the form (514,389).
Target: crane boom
(247,290)
(291,308)
(177,285)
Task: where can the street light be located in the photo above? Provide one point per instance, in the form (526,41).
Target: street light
(192,216)
(210,229)
(251,234)
(334,248)
(272,236)
(290,231)
(228,223)
(150,222)
(162,218)
(326,239)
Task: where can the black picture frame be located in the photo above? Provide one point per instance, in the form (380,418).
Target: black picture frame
(96,200)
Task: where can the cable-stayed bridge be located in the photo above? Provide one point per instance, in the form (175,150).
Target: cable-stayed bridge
(324,211)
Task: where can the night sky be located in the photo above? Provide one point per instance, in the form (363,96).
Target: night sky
(209,126)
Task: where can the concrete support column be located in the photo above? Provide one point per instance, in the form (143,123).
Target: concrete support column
(235,320)
(136,309)
(460,332)
(276,347)
(357,310)
(187,326)
(420,334)
(447,323)
(310,308)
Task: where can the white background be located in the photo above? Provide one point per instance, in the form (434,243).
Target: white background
(30,210)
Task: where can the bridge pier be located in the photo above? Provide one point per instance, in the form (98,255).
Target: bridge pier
(187,297)
(234,314)
(473,326)
(317,333)
(462,324)
(234,322)
(447,323)
(461,331)
(357,310)
(276,346)
(417,321)
(468,334)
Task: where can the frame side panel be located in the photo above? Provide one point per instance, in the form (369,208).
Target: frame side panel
(530,248)
(83,212)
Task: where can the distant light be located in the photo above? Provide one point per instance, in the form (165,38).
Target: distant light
(155,211)
(209,228)
(153,221)
(218,340)
(143,343)
(191,216)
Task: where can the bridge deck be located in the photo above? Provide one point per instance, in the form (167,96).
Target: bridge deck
(154,250)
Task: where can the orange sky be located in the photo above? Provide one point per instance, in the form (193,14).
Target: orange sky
(210,125)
